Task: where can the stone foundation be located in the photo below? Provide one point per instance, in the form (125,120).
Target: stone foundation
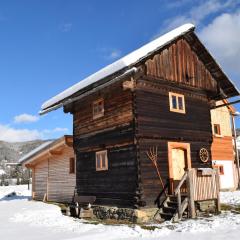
(206,207)
(124,214)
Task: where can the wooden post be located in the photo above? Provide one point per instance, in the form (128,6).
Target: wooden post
(191,205)
(33,183)
(217,179)
(179,205)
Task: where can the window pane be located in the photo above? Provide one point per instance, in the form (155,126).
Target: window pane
(174,102)
(98,161)
(95,109)
(98,108)
(217,129)
(103,160)
(180,103)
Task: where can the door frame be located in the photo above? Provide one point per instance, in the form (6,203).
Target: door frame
(181,145)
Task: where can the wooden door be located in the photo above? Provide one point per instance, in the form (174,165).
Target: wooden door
(178,165)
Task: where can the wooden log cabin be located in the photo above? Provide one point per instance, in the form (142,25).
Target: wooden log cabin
(53,170)
(223,152)
(149,108)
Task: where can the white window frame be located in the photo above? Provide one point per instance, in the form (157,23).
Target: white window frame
(177,95)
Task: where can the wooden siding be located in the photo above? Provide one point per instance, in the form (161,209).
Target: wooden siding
(156,125)
(205,187)
(115,186)
(40,180)
(137,119)
(154,118)
(179,63)
(113,132)
(51,177)
(61,183)
(222,117)
(117,111)
(222,148)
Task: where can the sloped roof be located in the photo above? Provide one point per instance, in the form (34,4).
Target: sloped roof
(35,151)
(134,57)
(120,64)
(51,144)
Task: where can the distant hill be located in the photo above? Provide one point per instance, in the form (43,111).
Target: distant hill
(12,152)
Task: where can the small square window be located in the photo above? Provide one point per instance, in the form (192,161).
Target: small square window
(98,108)
(220,169)
(72,165)
(216,129)
(177,102)
(101,160)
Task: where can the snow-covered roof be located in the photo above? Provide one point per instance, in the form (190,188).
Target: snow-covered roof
(120,64)
(35,151)
(30,157)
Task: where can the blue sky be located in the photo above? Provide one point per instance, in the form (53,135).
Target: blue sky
(47,46)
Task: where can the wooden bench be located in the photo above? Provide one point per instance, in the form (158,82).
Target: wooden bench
(84,200)
(81,205)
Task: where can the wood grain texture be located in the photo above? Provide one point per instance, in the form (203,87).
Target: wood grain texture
(157,126)
(222,148)
(51,177)
(179,63)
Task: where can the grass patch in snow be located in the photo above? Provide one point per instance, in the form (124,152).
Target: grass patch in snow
(231,208)
(149,228)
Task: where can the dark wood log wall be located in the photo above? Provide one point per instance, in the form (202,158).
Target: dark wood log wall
(135,121)
(175,69)
(114,132)
(156,126)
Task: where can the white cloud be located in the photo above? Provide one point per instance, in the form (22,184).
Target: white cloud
(222,38)
(114,54)
(198,13)
(110,53)
(10,134)
(58,129)
(66,27)
(55,130)
(25,118)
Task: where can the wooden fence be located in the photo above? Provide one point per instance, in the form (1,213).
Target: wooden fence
(202,184)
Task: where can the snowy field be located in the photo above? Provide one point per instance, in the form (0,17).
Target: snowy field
(28,220)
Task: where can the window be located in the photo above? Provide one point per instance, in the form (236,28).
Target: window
(72,165)
(216,129)
(177,102)
(98,108)
(220,169)
(101,160)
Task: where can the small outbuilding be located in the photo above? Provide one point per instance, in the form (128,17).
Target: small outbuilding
(53,170)
(223,152)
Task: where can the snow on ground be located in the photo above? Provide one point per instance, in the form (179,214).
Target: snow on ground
(231,198)
(30,220)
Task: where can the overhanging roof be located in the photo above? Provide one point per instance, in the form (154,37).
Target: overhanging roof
(44,148)
(128,61)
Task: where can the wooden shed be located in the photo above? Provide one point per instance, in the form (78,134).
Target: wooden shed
(53,170)
(142,125)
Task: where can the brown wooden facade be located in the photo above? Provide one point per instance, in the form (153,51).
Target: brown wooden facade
(223,156)
(53,171)
(137,117)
